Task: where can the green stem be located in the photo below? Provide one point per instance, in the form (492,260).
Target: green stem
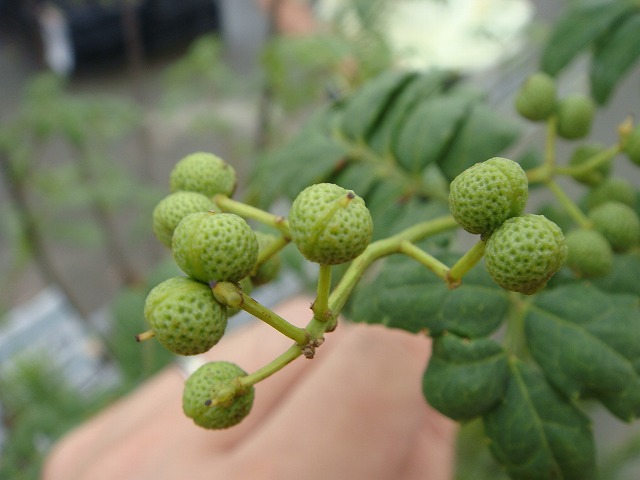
(592,163)
(568,204)
(436,266)
(272,249)
(321,304)
(466,263)
(247,211)
(297,334)
(270,368)
(545,171)
(379,249)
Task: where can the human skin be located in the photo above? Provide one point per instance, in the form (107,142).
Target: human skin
(354,411)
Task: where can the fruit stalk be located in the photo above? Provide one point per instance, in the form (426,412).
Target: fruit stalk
(247,211)
(320,306)
(465,263)
(568,204)
(436,266)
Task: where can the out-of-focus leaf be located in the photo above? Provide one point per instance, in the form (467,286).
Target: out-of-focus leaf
(536,433)
(414,92)
(429,130)
(577,29)
(309,158)
(613,56)
(406,295)
(364,109)
(624,276)
(465,378)
(485,133)
(588,344)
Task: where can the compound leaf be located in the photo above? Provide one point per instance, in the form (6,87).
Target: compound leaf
(408,296)
(613,56)
(465,377)
(536,433)
(587,342)
(624,276)
(577,29)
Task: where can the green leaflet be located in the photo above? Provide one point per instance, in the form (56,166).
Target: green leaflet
(588,344)
(364,109)
(414,92)
(309,158)
(576,30)
(408,296)
(625,275)
(484,134)
(536,434)
(428,131)
(613,55)
(465,378)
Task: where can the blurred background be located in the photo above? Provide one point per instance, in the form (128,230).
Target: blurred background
(100,98)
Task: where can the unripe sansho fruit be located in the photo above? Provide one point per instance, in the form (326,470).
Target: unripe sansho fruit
(525,252)
(582,154)
(618,223)
(173,208)
(184,316)
(485,195)
(329,224)
(268,270)
(200,386)
(590,254)
(536,99)
(575,116)
(632,145)
(203,173)
(210,246)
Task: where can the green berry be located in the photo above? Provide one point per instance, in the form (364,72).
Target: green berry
(203,173)
(575,116)
(329,224)
(632,145)
(210,246)
(485,195)
(525,252)
(173,208)
(210,397)
(584,153)
(536,99)
(611,190)
(268,270)
(618,223)
(184,316)
(590,254)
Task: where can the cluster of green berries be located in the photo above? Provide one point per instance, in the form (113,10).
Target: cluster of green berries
(522,251)
(209,246)
(328,224)
(537,100)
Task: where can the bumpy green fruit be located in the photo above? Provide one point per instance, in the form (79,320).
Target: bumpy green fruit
(582,154)
(611,190)
(215,380)
(536,99)
(184,316)
(203,173)
(329,224)
(618,223)
(269,269)
(173,208)
(525,252)
(485,195)
(210,246)
(590,254)
(632,145)
(575,116)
